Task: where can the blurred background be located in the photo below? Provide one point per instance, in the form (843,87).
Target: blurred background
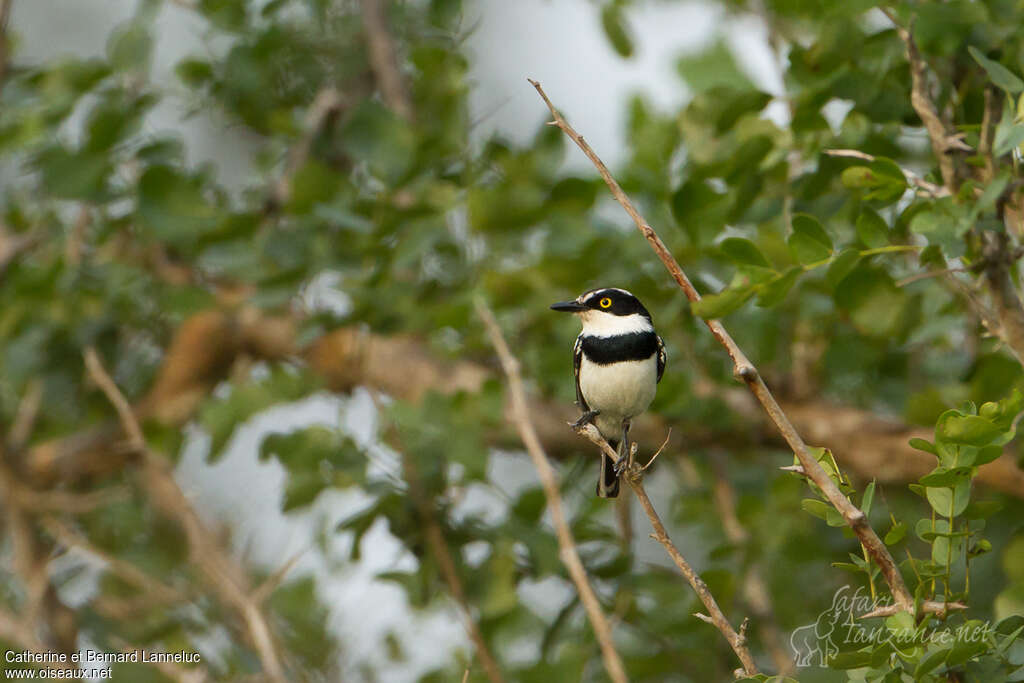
(266,221)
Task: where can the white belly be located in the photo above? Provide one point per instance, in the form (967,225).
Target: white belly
(620,391)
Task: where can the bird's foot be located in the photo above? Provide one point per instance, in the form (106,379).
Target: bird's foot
(585,418)
(625,463)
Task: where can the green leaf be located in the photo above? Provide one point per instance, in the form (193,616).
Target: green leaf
(971,430)
(872,230)
(1000,75)
(743,251)
(868,498)
(950,501)
(721,304)
(923,445)
(75,175)
(882,180)
(942,476)
(841,266)
(700,210)
(711,68)
(930,662)
(174,206)
(615,29)
(809,242)
(130,47)
(384,141)
(874,301)
(775,290)
(1009,136)
(896,533)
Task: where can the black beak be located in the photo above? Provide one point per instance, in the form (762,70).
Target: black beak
(568,307)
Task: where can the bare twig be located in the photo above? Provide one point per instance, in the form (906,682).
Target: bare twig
(942,142)
(325,104)
(935,607)
(928,188)
(635,480)
(549,480)
(5,45)
(225,577)
(940,272)
(25,417)
(744,370)
(126,571)
(383,58)
(270,584)
(1005,297)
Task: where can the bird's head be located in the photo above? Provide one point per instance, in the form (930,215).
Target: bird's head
(608,311)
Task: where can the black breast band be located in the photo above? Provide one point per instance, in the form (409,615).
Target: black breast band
(621,347)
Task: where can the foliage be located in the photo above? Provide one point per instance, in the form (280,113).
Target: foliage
(856,274)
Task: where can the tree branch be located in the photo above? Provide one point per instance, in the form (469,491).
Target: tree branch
(549,480)
(921,101)
(634,478)
(206,345)
(226,578)
(384,60)
(744,370)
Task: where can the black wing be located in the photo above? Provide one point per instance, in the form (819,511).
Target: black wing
(662,358)
(577,360)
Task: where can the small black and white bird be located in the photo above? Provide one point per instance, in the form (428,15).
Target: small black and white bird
(618,361)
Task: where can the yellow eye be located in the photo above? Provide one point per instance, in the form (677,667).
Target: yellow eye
(605,302)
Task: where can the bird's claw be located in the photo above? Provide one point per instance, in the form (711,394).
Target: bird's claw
(585,418)
(621,465)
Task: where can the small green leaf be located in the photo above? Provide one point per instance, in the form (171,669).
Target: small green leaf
(930,662)
(923,445)
(896,533)
(869,497)
(774,291)
(971,430)
(872,230)
(942,476)
(1008,138)
(728,300)
(743,251)
(841,266)
(1000,75)
(809,242)
(615,29)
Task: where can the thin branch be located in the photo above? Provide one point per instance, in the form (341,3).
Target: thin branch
(225,577)
(126,571)
(942,142)
(384,60)
(930,189)
(5,43)
(635,480)
(986,137)
(1001,284)
(929,274)
(327,103)
(549,480)
(744,370)
(446,564)
(25,417)
(938,608)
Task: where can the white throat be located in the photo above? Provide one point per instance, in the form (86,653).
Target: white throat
(601,324)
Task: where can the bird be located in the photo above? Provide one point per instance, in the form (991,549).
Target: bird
(618,360)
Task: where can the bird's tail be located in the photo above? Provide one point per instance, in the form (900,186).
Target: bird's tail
(608,482)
